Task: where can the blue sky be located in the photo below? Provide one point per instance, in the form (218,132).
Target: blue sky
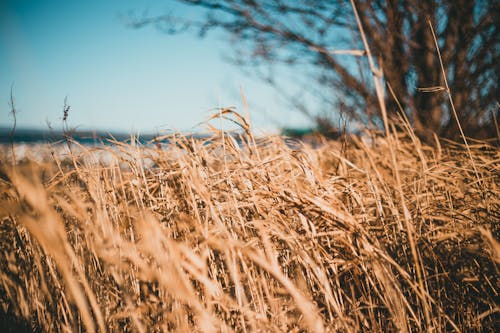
(115,77)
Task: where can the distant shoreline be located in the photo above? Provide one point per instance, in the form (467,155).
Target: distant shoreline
(36,136)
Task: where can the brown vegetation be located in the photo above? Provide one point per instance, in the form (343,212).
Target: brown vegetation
(254,235)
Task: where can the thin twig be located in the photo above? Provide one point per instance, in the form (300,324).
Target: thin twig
(450,98)
(13,112)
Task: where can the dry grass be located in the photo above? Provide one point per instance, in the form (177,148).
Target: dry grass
(269,236)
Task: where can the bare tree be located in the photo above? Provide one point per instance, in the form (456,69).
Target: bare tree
(319,39)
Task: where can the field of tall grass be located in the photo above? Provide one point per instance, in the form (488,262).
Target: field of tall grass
(237,233)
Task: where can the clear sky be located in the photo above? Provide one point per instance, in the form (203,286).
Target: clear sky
(115,77)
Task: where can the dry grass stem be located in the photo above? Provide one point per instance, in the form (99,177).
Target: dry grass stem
(242,234)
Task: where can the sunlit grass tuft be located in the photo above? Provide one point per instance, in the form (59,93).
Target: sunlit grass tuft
(243,234)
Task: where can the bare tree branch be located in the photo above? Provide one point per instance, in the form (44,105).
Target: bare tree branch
(301,34)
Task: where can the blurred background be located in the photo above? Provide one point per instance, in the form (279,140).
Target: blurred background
(117,77)
(160,65)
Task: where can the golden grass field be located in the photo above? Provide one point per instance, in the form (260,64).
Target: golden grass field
(381,234)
